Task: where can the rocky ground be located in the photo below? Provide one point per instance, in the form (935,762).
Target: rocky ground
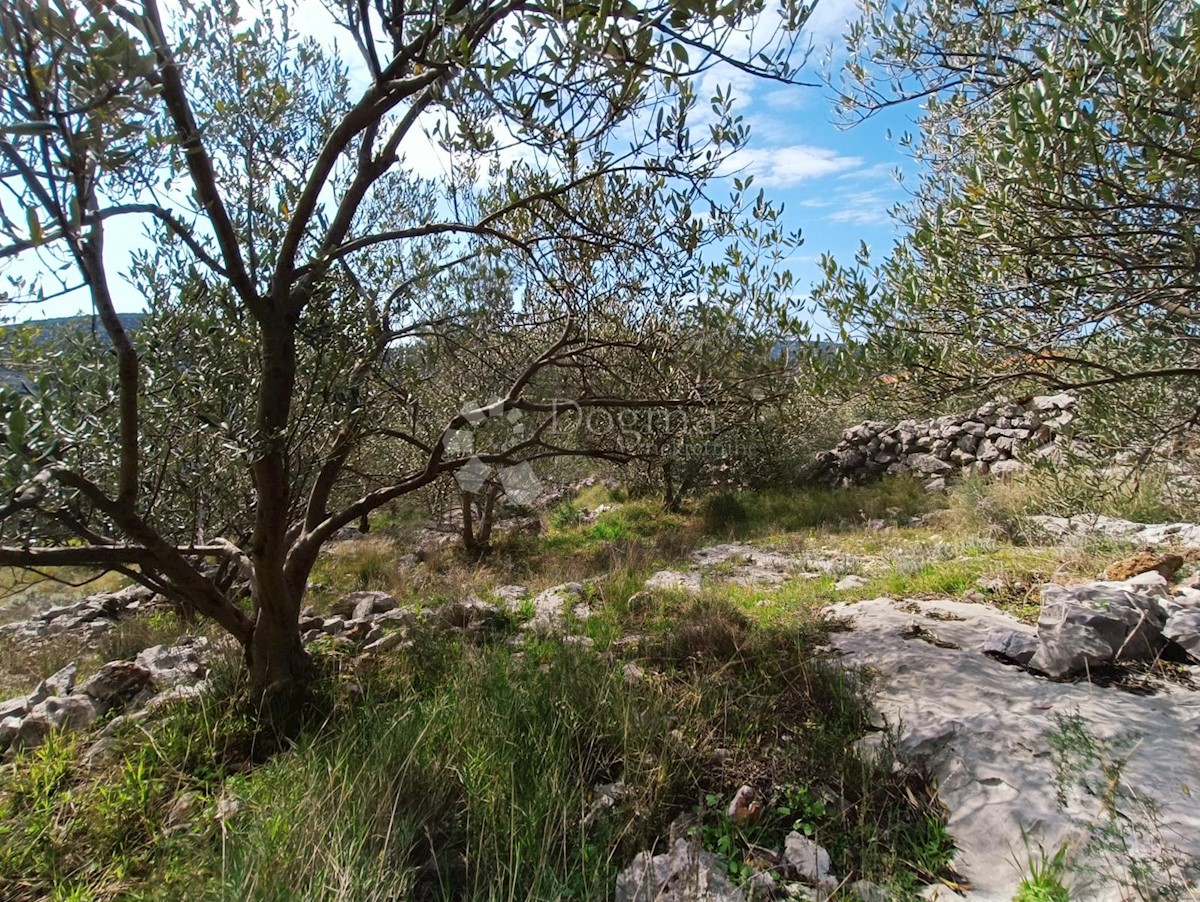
(1075,733)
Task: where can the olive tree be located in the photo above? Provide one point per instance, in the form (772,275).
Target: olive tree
(1052,235)
(295,259)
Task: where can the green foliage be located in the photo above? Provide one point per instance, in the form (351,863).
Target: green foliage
(1050,237)
(1044,881)
(808,507)
(1121,827)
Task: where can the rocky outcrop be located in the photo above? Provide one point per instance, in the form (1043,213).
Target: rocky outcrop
(1087,525)
(684,874)
(87,619)
(986,732)
(987,440)
(59,704)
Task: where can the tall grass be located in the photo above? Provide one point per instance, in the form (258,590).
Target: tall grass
(749,513)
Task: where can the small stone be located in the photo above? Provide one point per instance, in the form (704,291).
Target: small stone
(762,887)
(866,891)
(385,643)
(10,728)
(806,860)
(633,674)
(847,583)
(333,625)
(1011,645)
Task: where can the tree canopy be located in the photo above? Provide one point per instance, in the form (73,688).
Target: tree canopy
(1052,234)
(315,300)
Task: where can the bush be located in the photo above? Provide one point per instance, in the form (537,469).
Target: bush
(724,513)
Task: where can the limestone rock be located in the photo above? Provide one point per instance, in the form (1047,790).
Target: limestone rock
(805,860)
(59,683)
(684,874)
(361,605)
(549,607)
(1011,645)
(983,731)
(1085,627)
(1183,628)
(674,580)
(471,613)
(171,665)
(849,582)
(116,683)
(511,595)
(14,707)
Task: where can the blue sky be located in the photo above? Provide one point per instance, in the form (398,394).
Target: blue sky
(835,185)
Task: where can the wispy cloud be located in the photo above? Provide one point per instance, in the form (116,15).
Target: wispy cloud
(785,167)
(828,21)
(863,208)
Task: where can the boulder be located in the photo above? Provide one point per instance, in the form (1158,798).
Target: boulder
(469,613)
(361,605)
(1183,628)
(14,707)
(684,874)
(116,683)
(72,712)
(171,665)
(59,683)
(1144,562)
(1085,627)
(549,606)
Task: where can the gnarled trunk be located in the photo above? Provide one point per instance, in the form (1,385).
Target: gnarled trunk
(275,657)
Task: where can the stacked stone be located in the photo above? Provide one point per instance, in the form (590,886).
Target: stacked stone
(984,441)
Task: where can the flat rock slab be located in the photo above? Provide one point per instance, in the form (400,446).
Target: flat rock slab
(982,729)
(1115,528)
(747,565)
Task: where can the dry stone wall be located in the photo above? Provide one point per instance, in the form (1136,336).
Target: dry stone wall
(995,439)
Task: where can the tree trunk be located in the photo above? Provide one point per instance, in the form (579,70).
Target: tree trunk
(275,657)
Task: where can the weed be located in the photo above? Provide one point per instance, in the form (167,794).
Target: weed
(1044,881)
(1125,840)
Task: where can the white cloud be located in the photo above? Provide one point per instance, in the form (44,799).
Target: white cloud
(863,208)
(828,21)
(784,167)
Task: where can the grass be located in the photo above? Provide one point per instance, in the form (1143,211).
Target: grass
(465,772)
(1044,881)
(458,770)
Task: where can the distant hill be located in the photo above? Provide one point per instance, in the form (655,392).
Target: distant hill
(49,331)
